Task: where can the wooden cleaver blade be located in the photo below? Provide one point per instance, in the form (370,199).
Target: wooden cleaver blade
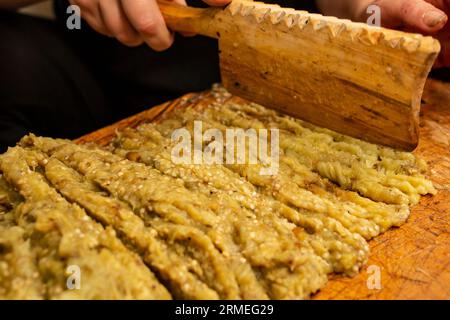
(352,78)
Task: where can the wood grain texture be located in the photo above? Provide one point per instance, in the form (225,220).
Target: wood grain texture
(415,258)
(349,80)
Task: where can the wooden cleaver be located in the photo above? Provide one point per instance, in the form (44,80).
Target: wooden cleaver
(356,79)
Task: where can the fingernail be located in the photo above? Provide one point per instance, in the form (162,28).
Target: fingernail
(433,18)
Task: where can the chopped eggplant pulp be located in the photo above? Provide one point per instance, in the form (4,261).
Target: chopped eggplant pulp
(196,231)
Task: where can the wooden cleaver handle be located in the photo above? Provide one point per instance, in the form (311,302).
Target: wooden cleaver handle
(191,20)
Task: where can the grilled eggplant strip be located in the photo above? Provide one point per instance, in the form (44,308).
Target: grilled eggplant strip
(249,286)
(119,174)
(211,182)
(127,173)
(9,200)
(19,276)
(162,194)
(351,215)
(375,156)
(351,251)
(225,184)
(117,214)
(305,150)
(341,161)
(218,180)
(383,216)
(354,249)
(62,235)
(146,190)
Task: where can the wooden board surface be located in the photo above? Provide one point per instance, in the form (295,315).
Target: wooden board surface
(414,260)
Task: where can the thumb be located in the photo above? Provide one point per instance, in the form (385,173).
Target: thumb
(417,15)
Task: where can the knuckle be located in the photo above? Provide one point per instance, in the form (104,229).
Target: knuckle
(83,4)
(85,8)
(163,44)
(378,3)
(147,27)
(128,40)
(407,6)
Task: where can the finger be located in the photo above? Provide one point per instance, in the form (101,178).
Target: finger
(418,15)
(217,2)
(147,20)
(117,23)
(183,3)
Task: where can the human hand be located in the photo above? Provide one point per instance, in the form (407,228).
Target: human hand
(132,22)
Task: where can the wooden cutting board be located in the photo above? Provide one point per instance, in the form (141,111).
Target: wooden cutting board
(414,260)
